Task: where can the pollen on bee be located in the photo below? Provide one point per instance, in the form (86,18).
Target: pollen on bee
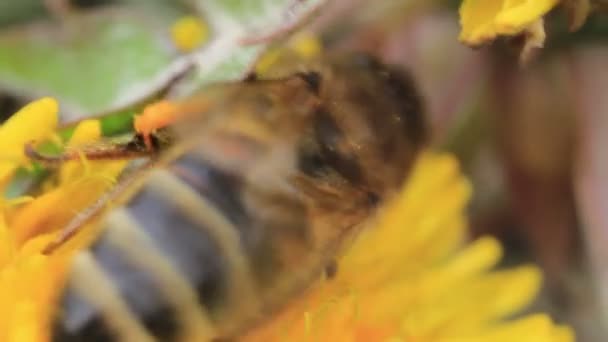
(307,45)
(303,46)
(155,116)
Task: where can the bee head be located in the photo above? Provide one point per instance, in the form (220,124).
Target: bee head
(368,128)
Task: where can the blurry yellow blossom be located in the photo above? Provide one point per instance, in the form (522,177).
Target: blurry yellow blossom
(28,286)
(78,188)
(87,132)
(483,20)
(189,33)
(29,280)
(409,279)
(34,122)
(306,45)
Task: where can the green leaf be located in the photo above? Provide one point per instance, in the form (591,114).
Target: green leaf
(108,60)
(92,63)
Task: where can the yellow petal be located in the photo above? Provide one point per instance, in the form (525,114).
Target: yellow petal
(34,122)
(516,18)
(306,45)
(86,132)
(39,216)
(481,255)
(508,291)
(536,328)
(476,20)
(7,243)
(483,20)
(25,304)
(484,299)
(53,210)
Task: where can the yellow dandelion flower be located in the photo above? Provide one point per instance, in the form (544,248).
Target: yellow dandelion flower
(24,303)
(408,279)
(189,33)
(54,208)
(483,20)
(29,280)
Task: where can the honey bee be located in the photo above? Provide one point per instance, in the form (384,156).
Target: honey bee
(254,194)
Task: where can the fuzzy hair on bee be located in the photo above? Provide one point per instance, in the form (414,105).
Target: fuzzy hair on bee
(263,184)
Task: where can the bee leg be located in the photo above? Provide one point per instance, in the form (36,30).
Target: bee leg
(60,240)
(128,150)
(34,155)
(86,216)
(75,226)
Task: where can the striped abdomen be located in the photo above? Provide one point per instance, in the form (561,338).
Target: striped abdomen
(185,257)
